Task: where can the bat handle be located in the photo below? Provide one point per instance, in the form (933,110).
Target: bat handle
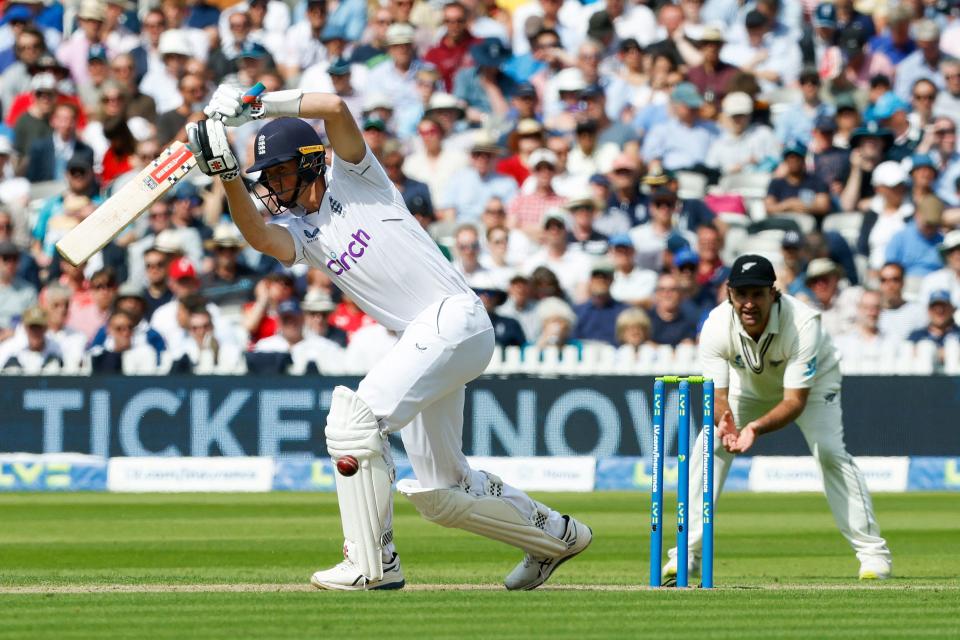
(253,92)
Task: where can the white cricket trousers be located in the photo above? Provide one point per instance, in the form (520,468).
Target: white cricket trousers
(822,426)
(418,389)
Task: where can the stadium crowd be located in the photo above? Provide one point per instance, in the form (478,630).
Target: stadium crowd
(590,167)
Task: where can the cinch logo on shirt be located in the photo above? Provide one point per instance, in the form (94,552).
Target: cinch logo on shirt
(338,266)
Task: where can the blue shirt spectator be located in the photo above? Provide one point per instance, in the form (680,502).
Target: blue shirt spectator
(941,326)
(672,321)
(923,63)
(682,141)
(597,317)
(469,190)
(916,246)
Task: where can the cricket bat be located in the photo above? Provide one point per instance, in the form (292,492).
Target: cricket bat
(133,198)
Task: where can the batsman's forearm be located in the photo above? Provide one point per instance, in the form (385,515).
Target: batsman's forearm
(245,215)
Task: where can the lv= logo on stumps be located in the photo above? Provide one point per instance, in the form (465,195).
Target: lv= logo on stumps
(683,480)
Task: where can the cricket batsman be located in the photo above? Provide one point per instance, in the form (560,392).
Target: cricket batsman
(350,221)
(772,364)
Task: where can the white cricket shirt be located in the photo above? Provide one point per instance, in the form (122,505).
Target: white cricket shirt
(374,250)
(792,353)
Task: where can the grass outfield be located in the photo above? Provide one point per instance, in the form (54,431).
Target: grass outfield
(237,566)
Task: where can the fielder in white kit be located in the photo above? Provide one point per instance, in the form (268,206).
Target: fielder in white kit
(772,365)
(351,221)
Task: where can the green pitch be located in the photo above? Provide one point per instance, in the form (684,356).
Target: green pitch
(237,566)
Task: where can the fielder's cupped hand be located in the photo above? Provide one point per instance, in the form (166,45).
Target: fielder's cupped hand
(733,440)
(208,141)
(227,105)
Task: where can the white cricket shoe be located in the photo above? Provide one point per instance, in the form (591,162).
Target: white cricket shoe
(668,574)
(347,577)
(876,568)
(533,571)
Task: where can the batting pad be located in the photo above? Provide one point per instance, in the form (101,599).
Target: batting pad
(487,515)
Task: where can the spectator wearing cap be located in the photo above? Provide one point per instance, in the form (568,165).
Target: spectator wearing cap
(98,70)
(80,187)
(793,262)
(869,144)
(772,57)
(301,46)
(582,236)
(941,326)
(702,295)
(614,132)
(848,119)
(597,317)
(48,155)
(507,331)
(948,100)
(33,124)
(712,76)
(449,54)
(484,88)
(682,142)
(615,91)
(74,51)
(650,239)
(888,213)
(75,209)
(923,63)
(798,191)
(33,351)
(923,175)
(230,283)
(916,246)
(899,316)
(317,307)
(88,318)
(28,47)
(131,301)
(16,295)
(589,156)
(160,82)
(465,194)
(171,124)
(526,212)
(947,278)
(743,146)
(252,62)
(631,284)
(829,160)
(572,267)
(170,319)
(671,321)
(291,338)
(895,41)
(691,213)
(893,113)
(396,76)
(834,297)
(561,100)
(817,41)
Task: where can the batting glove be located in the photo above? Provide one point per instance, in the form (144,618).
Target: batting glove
(207,140)
(227,105)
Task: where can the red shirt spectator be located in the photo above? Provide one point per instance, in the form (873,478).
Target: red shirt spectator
(23,101)
(450,54)
(349,318)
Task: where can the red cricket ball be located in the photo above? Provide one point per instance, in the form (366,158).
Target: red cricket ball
(347,466)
